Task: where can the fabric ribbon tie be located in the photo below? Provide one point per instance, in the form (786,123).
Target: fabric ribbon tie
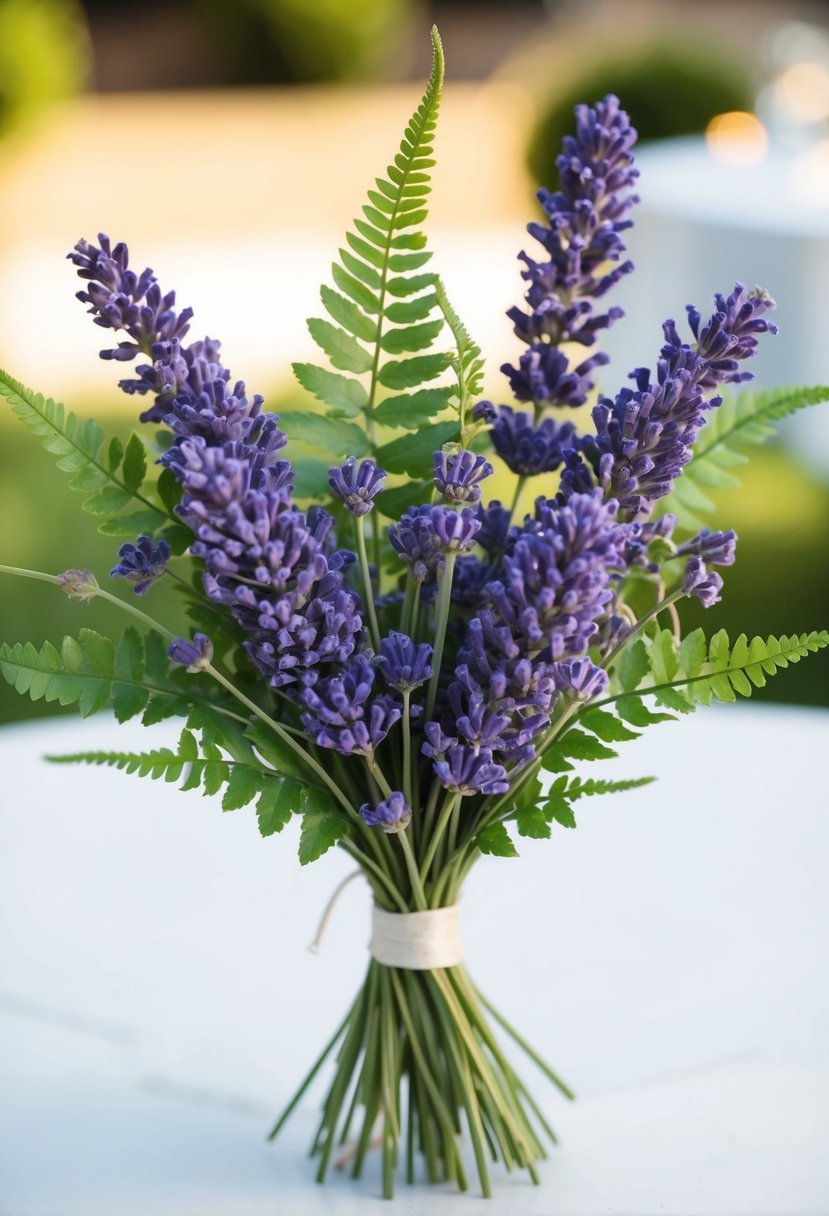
(417,941)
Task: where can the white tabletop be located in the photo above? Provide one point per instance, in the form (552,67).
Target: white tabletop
(158,1003)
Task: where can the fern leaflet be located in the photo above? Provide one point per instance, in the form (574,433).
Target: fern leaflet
(467,363)
(740,422)
(380,307)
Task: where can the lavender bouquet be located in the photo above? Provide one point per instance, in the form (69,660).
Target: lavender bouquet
(413,668)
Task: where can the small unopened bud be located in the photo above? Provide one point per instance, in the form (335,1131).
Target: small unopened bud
(195,655)
(79,584)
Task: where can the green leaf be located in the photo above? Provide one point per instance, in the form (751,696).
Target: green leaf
(404,312)
(395,502)
(633,665)
(412,454)
(129,697)
(341,439)
(342,349)
(468,362)
(743,421)
(409,373)
(342,393)
(278,754)
(243,786)
(278,801)
(558,808)
(731,670)
(377,266)
(634,710)
(311,478)
(606,726)
(133,524)
(412,410)
(584,789)
(577,745)
(320,830)
(412,337)
(134,469)
(81,449)
(495,840)
(531,821)
(346,313)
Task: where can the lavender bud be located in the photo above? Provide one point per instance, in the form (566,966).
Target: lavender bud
(393,814)
(356,485)
(79,584)
(195,655)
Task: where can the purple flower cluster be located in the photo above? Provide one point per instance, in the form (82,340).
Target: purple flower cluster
(274,567)
(584,249)
(527,449)
(644,437)
(142,563)
(426,534)
(344,713)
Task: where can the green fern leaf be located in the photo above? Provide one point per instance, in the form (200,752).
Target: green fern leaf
(583,789)
(743,421)
(468,363)
(728,671)
(384,301)
(111,477)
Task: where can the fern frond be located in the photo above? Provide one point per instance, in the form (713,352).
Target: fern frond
(741,422)
(467,363)
(381,306)
(92,673)
(700,672)
(209,770)
(112,477)
(585,789)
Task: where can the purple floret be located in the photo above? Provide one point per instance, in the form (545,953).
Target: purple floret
(142,563)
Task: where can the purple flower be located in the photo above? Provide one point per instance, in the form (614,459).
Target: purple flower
(342,712)
(583,243)
(715,548)
(701,582)
(121,299)
(580,679)
(415,540)
(644,437)
(195,655)
(405,664)
(458,475)
(356,485)
(558,575)
(484,412)
(467,771)
(142,563)
(392,814)
(496,522)
(527,449)
(455,530)
(544,375)
(470,582)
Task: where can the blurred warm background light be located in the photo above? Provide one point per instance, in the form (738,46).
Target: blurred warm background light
(737,138)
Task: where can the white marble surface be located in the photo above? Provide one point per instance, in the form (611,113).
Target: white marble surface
(157,1002)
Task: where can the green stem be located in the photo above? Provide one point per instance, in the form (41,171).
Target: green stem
(640,625)
(98,593)
(441,619)
(295,747)
(363,860)
(519,488)
(414,876)
(407,747)
(445,815)
(374,628)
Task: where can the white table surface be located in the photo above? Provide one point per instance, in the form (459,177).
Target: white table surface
(158,1003)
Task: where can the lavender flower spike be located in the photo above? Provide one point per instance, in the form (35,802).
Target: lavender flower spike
(458,475)
(701,582)
(356,485)
(526,449)
(405,664)
(579,678)
(392,814)
(470,770)
(195,655)
(142,563)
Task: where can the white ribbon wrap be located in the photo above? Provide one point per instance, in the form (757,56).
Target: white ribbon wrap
(417,941)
